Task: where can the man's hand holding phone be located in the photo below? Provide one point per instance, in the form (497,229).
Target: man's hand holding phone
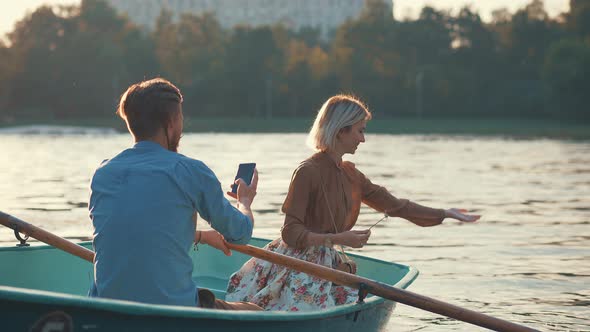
(245,193)
(245,184)
(244,188)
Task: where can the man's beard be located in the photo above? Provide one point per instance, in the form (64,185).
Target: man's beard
(174,142)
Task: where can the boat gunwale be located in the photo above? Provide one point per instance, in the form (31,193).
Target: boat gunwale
(20,294)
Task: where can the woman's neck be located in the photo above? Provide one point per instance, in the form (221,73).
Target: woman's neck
(335,156)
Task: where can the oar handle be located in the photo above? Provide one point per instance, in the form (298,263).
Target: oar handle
(46,237)
(383,290)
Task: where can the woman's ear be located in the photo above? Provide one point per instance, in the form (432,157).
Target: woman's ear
(342,131)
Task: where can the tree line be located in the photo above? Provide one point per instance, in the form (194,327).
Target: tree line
(75,61)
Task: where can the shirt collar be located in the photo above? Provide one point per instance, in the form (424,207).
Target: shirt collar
(147,145)
(326,159)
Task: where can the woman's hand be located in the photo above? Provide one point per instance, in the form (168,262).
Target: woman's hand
(216,240)
(354,239)
(461,215)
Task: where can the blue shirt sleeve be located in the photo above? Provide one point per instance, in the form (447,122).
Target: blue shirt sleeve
(207,197)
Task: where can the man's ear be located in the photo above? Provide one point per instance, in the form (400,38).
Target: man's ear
(170,124)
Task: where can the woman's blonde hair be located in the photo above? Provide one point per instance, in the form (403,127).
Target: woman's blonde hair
(338,112)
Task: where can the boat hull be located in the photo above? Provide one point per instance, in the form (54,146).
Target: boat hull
(33,313)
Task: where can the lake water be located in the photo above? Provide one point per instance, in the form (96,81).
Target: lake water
(527,260)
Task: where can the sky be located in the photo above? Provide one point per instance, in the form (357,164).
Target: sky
(14,10)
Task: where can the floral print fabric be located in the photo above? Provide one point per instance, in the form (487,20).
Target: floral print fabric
(274,287)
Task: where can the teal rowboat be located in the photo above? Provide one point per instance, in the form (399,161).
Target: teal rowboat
(44,289)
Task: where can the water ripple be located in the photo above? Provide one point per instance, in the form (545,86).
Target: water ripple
(526,260)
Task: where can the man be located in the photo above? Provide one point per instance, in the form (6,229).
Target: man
(142,205)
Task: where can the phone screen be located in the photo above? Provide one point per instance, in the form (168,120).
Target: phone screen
(245,172)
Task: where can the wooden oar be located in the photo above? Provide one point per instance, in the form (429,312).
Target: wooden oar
(383,290)
(322,272)
(45,236)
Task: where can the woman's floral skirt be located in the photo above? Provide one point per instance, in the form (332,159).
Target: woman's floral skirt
(274,287)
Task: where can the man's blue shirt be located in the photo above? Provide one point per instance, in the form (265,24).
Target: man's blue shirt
(142,204)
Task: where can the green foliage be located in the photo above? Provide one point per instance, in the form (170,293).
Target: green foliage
(249,62)
(75,61)
(578,19)
(567,71)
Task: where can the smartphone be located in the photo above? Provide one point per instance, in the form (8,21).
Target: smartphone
(245,172)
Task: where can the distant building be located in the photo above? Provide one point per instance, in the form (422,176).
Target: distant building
(325,15)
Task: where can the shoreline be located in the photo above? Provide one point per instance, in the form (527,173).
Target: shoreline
(501,126)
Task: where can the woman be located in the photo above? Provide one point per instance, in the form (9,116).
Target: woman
(321,208)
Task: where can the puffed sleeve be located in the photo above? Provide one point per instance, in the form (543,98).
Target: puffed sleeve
(294,232)
(382,200)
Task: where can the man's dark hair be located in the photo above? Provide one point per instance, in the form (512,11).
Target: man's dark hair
(148,106)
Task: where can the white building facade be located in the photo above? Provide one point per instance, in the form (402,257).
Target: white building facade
(324,15)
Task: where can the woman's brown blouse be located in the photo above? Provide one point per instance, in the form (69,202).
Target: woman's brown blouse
(308,209)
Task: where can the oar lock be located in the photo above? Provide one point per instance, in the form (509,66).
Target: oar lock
(23,242)
(363,291)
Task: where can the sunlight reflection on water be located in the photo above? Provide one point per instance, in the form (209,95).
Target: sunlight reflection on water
(527,260)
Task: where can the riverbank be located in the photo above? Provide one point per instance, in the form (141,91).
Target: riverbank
(513,127)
